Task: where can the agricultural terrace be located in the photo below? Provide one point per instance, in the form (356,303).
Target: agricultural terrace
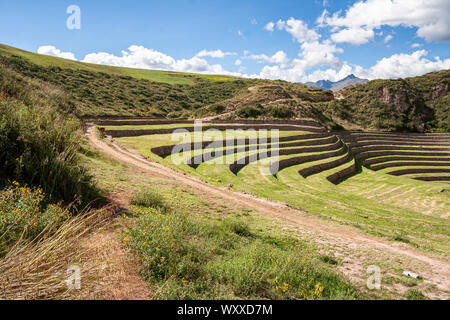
(391,185)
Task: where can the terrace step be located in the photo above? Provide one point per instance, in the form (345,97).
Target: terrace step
(198,159)
(372,154)
(380,148)
(438,178)
(370,162)
(283,164)
(417,171)
(306,172)
(145,132)
(410,164)
(241,163)
(343,174)
(164,151)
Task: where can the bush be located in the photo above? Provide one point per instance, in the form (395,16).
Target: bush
(40,147)
(238,227)
(414,294)
(281,112)
(149,199)
(23,213)
(217,108)
(40,139)
(249,112)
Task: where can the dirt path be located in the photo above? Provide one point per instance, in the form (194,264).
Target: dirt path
(436,273)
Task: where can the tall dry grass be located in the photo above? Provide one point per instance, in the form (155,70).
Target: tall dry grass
(38,269)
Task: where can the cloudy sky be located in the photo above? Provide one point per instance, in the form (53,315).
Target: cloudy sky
(293,40)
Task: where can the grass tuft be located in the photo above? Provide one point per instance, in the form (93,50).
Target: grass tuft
(414,294)
(149,199)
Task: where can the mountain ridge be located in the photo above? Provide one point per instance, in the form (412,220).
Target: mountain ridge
(338,85)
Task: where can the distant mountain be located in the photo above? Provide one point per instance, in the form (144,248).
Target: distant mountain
(339,85)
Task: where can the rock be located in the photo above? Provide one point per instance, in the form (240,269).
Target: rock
(229,185)
(411,274)
(440,90)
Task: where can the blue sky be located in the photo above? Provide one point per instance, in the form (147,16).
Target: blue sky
(291,40)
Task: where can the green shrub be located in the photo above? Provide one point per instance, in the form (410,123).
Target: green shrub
(24,213)
(281,112)
(40,147)
(414,294)
(217,108)
(238,227)
(40,139)
(249,112)
(150,199)
(328,259)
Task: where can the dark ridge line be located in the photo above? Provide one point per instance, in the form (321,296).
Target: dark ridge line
(370,162)
(136,133)
(395,143)
(241,163)
(393,136)
(390,134)
(270,122)
(409,164)
(438,178)
(306,172)
(390,148)
(141,122)
(283,164)
(417,171)
(371,154)
(404,141)
(164,151)
(195,161)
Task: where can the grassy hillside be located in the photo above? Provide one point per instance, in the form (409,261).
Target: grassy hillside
(109,91)
(412,104)
(152,75)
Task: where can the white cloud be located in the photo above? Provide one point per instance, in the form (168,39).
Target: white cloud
(215,54)
(330,74)
(278,58)
(356,36)
(387,38)
(241,34)
(416,45)
(270,27)
(429,16)
(253,21)
(52,51)
(396,66)
(404,65)
(298,29)
(143,58)
(319,54)
(238,62)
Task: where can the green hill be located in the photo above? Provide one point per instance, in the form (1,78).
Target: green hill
(413,104)
(109,91)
